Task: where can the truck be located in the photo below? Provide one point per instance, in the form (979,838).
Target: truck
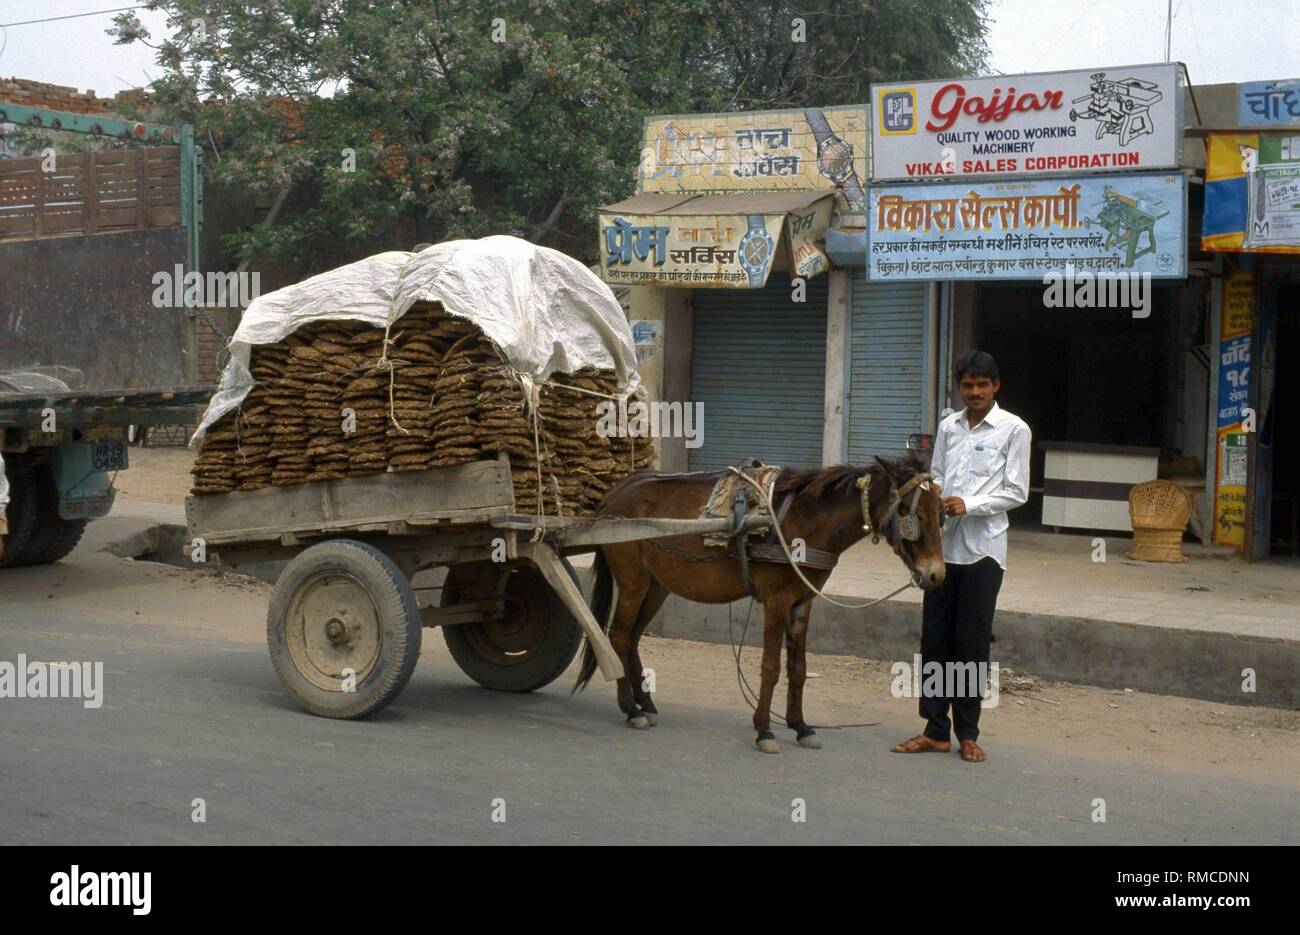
(62,450)
(88,356)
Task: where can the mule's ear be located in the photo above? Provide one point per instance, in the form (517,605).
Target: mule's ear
(889,467)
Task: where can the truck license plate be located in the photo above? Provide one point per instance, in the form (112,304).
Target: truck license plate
(110,456)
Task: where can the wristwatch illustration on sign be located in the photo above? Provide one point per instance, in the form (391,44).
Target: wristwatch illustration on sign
(756,250)
(835,157)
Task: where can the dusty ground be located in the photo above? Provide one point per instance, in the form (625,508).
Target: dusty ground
(156,475)
(1092,722)
(1095,723)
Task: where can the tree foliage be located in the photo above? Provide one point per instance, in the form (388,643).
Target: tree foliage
(471,117)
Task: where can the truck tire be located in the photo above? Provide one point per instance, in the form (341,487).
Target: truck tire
(527,650)
(343,604)
(23,514)
(55,536)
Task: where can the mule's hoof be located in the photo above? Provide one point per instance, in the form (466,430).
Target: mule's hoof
(811,742)
(640,723)
(768,745)
(652,717)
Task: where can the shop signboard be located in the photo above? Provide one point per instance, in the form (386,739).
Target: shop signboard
(1026,228)
(1236,324)
(701,251)
(811,149)
(1269,104)
(1093,120)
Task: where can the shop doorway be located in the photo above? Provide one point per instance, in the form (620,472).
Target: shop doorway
(1285,520)
(1094,376)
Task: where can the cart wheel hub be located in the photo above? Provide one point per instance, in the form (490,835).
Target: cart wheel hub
(333,632)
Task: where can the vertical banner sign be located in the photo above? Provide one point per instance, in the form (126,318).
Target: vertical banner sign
(1234,390)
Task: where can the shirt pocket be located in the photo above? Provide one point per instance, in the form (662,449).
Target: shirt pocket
(986,459)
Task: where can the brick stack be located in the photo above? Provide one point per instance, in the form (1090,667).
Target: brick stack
(324,409)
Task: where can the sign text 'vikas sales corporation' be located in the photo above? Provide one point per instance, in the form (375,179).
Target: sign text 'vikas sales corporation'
(1053,123)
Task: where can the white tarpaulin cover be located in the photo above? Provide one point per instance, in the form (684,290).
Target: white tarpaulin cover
(545,311)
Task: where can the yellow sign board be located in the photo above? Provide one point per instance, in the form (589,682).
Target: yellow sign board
(781,150)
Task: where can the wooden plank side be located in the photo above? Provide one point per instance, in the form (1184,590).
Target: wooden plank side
(469,490)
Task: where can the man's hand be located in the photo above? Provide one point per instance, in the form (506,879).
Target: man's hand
(954,506)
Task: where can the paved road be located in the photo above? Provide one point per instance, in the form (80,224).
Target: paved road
(192,709)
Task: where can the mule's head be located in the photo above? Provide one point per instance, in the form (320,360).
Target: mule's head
(907,511)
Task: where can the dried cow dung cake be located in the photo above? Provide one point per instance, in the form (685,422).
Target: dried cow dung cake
(328,406)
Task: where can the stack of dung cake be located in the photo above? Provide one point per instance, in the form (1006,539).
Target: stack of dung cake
(324,408)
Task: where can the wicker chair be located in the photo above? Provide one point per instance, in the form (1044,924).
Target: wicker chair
(1159,510)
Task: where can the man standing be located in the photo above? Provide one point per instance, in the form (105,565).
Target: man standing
(981,465)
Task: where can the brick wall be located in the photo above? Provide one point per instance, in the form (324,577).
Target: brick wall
(55,97)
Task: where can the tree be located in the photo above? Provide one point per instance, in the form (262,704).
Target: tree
(470,117)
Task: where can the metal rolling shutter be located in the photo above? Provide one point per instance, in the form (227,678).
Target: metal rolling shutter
(759,367)
(886,372)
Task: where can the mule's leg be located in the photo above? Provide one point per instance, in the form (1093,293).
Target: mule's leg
(796,661)
(654,599)
(775,614)
(634,581)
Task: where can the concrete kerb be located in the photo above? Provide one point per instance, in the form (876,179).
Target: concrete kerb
(1191,663)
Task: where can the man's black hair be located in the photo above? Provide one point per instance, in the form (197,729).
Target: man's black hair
(976,363)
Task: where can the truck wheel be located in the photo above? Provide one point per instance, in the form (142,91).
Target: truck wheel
(23,514)
(528,649)
(343,605)
(55,536)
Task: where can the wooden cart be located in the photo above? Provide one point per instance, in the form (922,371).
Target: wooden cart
(344,627)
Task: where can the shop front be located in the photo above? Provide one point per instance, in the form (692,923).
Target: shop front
(1252,224)
(1077,282)
(723,248)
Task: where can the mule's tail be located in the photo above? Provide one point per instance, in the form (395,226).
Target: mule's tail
(602,597)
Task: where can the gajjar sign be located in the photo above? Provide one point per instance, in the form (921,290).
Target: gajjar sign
(1092,120)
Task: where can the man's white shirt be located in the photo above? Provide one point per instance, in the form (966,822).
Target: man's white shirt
(4,487)
(988,467)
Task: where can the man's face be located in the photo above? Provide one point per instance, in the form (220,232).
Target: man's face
(978,392)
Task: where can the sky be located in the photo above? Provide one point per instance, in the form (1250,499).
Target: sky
(1219,40)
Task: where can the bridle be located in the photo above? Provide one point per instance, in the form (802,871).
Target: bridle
(904,526)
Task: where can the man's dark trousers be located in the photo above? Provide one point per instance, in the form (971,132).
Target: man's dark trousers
(956,626)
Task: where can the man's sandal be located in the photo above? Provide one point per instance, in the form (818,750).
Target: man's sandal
(971,752)
(921,744)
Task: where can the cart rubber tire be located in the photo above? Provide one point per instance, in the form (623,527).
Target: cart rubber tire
(343,603)
(23,514)
(55,536)
(522,653)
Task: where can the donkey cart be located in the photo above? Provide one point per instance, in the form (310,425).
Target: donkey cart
(344,625)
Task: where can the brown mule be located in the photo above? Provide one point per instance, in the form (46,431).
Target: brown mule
(825,511)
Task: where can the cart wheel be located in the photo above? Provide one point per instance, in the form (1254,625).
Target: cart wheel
(342,605)
(528,649)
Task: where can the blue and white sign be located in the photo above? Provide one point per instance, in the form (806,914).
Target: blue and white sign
(1270,104)
(1026,228)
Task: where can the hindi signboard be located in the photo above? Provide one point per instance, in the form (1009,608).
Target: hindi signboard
(1028,125)
(1269,104)
(814,149)
(1236,324)
(698,251)
(1024,229)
